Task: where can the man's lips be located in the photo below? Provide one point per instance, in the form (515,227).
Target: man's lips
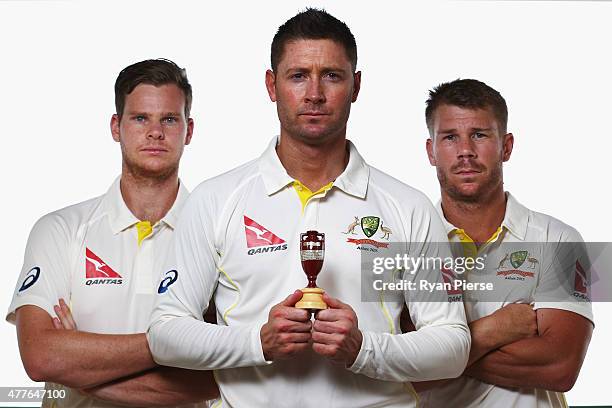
(154,150)
(467,172)
(313,114)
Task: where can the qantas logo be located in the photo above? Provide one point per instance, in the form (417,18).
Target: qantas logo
(449,278)
(580,281)
(258,236)
(97,272)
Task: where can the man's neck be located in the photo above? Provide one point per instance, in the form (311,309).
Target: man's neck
(478,219)
(148,199)
(313,165)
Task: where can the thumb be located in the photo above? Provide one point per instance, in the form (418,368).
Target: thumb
(292,299)
(334,303)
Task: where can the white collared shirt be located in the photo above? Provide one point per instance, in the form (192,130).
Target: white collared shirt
(237,240)
(522,262)
(88,254)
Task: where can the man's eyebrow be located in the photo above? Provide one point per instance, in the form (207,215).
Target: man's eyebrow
(474,129)
(301,68)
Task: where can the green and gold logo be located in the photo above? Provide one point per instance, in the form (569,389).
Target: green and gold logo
(369,225)
(518,258)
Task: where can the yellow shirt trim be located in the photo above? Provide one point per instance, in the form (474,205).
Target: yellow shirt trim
(305,194)
(144,229)
(470,250)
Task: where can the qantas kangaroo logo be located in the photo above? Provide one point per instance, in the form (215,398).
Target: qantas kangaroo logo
(98,272)
(258,236)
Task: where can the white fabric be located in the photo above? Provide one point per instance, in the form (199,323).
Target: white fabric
(521,226)
(120,305)
(212,258)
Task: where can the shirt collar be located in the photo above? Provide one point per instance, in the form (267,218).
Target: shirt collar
(515,220)
(172,216)
(353,180)
(122,218)
(447,225)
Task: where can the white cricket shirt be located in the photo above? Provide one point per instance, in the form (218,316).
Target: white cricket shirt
(522,271)
(237,240)
(89,255)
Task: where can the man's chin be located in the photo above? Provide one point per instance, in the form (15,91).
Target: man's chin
(466,192)
(152,169)
(317,136)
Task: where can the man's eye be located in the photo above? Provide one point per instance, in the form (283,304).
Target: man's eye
(449,137)
(333,75)
(479,135)
(139,118)
(298,75)
(170,119)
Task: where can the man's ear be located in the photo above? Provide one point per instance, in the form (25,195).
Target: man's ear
(508,146)
(356,85)
(114,127)
(271,84)
(189,134)
(430,151)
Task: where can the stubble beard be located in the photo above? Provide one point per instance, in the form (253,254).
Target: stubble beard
(332,132)
(481,194)
(145,174)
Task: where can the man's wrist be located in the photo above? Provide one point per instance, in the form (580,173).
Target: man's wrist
(486,332)
(362,356)
(359,341)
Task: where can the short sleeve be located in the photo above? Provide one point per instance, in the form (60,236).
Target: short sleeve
(45,276)
(565,280)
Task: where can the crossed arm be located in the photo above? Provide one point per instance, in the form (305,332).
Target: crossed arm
(117,368)
(519,347)
(551,359)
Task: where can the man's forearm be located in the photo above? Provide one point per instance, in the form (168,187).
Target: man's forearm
(161,386)
(185,342)
(80,359)
(76,359)
(528,363)
(430,353)
(485,338)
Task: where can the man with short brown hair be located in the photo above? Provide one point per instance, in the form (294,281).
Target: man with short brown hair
(99,257)
(238,242)
(531,333)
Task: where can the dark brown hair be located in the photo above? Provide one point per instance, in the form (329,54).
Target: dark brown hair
(153,72)
(467,93)
(313,24)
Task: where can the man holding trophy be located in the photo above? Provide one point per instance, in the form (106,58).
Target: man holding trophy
(253,235)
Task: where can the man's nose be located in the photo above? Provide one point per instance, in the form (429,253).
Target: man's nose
(315,93)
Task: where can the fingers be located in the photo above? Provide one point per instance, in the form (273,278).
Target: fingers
(291,349)
(64,316)
(288,330)
(292,299)
(289,313)
(335,303)
(328,350)
(336,315)
(327,338)
(57,324)
(340,326)
(295,337)
(288,326)
(67,313)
